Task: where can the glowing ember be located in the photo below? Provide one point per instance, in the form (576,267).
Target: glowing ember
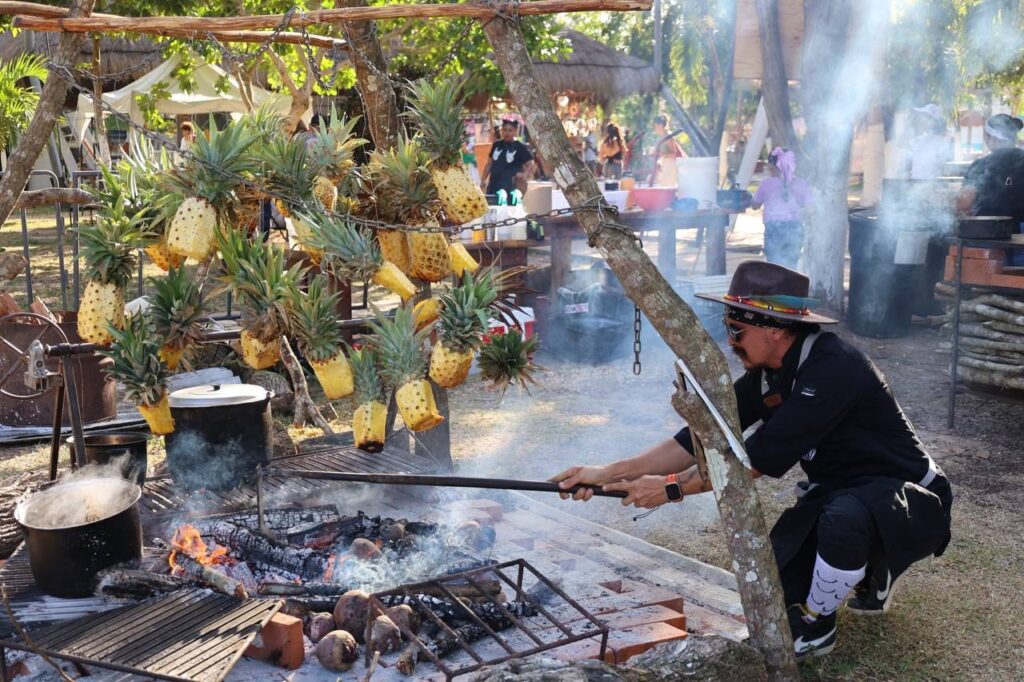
(329,571)
(187,540)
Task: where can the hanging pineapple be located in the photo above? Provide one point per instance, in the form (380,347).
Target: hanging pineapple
(351,254)
(426,311)
(291,172)
(406,195)
(332,149)
(208,185)
(254,271)
(265,124)
(315,325)
(178,311)
(108,250)
(137,366)
(507,359)
(461,260)
(403,366)
(464,318)
(370,417)
(437,111)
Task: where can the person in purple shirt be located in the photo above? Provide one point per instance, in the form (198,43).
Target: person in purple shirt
(783,196)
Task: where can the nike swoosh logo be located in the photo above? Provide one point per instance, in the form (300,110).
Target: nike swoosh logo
(882,594)
(801,646)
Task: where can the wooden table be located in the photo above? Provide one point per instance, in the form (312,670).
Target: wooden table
(561,230)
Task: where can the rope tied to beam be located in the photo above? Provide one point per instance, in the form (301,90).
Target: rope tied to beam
(607,220)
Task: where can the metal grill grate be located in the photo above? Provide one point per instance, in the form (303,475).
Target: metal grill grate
(535,629)
(160,498)
(188,635)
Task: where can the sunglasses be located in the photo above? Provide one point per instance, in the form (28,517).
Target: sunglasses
(733,331)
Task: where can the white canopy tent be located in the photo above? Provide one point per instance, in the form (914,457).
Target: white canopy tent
(204,98)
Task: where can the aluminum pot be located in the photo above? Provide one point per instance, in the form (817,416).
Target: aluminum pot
(76,529)
(222,433)
(104,446)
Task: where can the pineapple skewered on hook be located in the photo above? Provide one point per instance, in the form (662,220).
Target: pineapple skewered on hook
(508,359)
(291,171)
(463,319)
(137,365)
(178,311)
(316,326)
(332,150)
(403,367)
(108,249)
(369,421)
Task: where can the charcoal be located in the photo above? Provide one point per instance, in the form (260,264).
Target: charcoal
(303,589)
(251,544)
(135,584)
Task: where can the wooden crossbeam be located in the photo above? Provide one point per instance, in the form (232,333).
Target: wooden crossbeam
(201,26)
(51,15)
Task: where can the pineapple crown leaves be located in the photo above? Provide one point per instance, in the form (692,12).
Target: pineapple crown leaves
(315,321)
(109,247)
(177,308)
(136,360)
(437,112)
(507,359)
(466,311)
(402,184)
(254,271)
(220,164)
(334,146)
(349,252)
(366,375)
(399,346)
(289,169)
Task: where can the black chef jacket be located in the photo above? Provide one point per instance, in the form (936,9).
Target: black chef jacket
(998,179)
(507,160)
(837,417)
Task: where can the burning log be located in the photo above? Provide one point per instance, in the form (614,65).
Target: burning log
(440,646)
(303,589)
(253,545)
(123,583)
(451,613)
(190,568)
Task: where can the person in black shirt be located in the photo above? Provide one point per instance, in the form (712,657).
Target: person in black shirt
(509,163)
(874,501)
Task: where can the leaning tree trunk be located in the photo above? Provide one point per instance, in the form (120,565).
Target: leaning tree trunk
(306,410)
(379,101)
(740,508)
(774,84)
(51,102)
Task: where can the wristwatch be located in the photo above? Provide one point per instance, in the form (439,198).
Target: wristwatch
(673,490)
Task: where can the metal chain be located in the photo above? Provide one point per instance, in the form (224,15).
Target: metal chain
(241,57)
(637,324)
(314,64)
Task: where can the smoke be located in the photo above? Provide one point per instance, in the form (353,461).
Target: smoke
(92,494)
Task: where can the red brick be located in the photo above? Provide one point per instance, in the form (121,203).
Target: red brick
(1008,281)
(980,254)
(492,508)
(643,595)
(279,642)
(972,270)
(642,616)
(584,649)
(633,641)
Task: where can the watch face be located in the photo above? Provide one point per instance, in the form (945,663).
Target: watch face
(674,492)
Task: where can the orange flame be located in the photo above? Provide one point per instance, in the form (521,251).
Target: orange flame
(187,540)
(329,571)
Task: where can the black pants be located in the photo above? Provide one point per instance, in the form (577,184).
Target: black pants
(845,536)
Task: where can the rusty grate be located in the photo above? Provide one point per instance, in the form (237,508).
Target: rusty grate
(532,621)
(191,635)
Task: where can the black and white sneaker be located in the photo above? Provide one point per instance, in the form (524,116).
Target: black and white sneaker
(811,637)
(873,595)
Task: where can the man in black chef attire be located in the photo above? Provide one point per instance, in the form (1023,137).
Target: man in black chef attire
(509,164)
(874,502)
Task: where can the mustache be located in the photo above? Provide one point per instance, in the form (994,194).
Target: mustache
(738,352)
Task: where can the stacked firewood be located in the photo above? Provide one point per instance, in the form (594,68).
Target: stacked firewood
(991,348)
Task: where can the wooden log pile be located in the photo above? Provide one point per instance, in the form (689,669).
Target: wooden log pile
(991,348)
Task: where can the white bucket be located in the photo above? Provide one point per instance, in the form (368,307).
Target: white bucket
(538,197)
(697,178)
(911,247)
(617,198)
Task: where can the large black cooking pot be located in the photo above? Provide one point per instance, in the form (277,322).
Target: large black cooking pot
(221,434)
(986,227)
(103,447)
(75,530)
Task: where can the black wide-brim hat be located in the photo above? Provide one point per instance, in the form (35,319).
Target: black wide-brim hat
(771,290)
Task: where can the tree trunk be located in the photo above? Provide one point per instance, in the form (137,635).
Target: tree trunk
(102,145)
(379,100)
(305,409)
(774,83)
(49,109)
(739,505)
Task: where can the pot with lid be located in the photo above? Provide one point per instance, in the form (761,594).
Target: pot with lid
(222,434)
(73,530)
(986,227)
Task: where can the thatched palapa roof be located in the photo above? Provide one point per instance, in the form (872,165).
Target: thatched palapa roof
(595,69)
(125,59)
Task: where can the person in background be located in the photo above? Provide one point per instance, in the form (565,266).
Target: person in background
(784,197)
(188,136)
(666,151)
(611,152)
(929,149)
(590,152)
(509,164)
(874,501)
(994,184)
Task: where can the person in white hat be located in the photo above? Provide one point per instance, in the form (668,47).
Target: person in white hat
(874,501)
(929,149)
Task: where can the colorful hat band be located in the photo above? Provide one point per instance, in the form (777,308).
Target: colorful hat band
(767,305)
